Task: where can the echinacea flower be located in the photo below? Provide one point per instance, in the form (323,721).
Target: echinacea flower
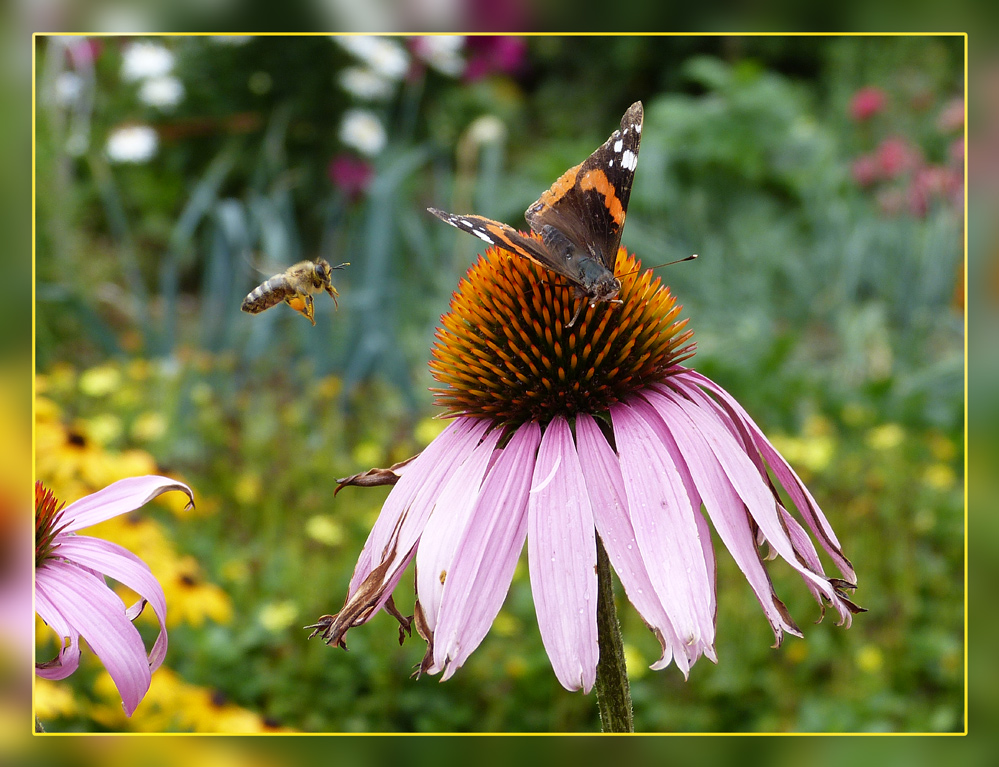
(560,435)
(72,597)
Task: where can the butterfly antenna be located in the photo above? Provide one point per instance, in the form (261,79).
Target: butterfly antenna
(659,266)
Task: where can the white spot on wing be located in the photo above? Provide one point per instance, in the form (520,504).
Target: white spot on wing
(618,145)
(482,236)
(629,160)
(638,127)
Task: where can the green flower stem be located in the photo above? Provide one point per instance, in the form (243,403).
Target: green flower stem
(613,690)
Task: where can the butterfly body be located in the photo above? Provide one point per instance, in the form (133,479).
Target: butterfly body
(579,219)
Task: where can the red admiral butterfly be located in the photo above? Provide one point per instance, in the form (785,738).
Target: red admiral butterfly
(580,219)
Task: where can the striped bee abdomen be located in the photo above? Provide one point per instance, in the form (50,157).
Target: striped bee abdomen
(264,296)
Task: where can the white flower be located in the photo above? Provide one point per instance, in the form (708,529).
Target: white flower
(363,131)
(442,52)
(384,55)
(67,89)
(133,143)
(144,60)
(365,84)
(162,92)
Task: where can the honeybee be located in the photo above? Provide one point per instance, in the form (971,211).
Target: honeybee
(295,287)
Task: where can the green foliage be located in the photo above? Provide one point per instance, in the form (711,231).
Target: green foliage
(831,318)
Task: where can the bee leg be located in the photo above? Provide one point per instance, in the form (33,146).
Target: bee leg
(303,305)
(333,294)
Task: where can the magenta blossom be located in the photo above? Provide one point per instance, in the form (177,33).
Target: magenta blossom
(866,103)
(71,595)
(565,435)
(351,175)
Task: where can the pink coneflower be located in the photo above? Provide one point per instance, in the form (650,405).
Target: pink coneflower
(72,597)
(569,439)
(866,103)
(897,155)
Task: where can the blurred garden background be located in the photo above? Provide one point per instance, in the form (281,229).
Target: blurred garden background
(820,179)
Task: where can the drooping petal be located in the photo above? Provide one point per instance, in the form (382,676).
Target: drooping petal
(562,558)
(692,650)
(68,659)
(602,474)
(119,497)
(745,480)
(407,507)
(665,528)
(126,568)
(90,607)
(446,525)
(487,554)
(727,512)
(796,489)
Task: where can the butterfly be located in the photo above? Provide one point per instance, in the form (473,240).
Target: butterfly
(580,219)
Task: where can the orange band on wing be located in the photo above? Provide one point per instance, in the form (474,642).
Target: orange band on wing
(564,183)
(597,179)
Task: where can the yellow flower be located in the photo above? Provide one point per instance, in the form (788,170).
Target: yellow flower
(885,437)
(100,381)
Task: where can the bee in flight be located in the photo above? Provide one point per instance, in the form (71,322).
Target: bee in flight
(295,287)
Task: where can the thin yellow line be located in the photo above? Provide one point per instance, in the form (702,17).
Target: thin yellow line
(966,300)
(34,49)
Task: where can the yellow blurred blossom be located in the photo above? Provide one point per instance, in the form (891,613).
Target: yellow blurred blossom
(53,700)
(813,453)
(796,652)
(939,476)
(104,428)
(943,448)
(427,429)
(247,487)
(324,529)
(235,570)
(506,624)
(100,381)
(515,666)
(278,616)
(855,414)
(870,659)
(885,437)
(637,665)
(329,387)
(148,426)
(367,453)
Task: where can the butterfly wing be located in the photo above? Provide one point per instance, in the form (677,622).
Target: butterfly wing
(503,236)
(588,203)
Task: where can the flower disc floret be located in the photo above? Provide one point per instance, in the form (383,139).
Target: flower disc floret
(504,350)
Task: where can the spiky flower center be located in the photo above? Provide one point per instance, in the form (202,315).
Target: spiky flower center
(47,518)
(504,351)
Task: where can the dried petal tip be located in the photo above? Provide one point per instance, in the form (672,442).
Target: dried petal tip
(505,350)
(374,477)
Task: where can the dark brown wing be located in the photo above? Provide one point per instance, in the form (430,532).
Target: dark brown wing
(503,236)
(588,203)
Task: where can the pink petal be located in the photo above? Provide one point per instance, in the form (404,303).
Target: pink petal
(408,505)
(664,525)
(803,499)
(727,511)
(90,607)
(447,523)
(562,556)
(487,554)
(605,485)
(119,497)
(126,568)
(68,659)
(709,614)
(746,481)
